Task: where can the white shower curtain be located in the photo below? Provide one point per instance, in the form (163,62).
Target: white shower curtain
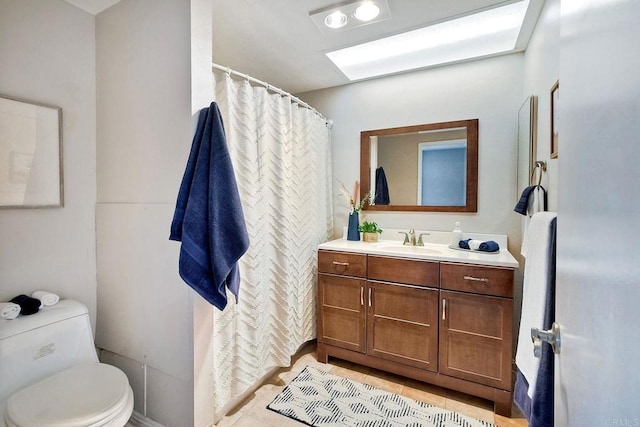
(282,159)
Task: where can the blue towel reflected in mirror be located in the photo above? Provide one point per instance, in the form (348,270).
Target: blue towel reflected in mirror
(382,188)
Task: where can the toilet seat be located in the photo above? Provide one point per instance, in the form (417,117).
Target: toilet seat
(85,395)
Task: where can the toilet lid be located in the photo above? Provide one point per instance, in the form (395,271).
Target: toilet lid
(79,396)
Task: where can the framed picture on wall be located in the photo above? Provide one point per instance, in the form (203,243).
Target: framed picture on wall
(555,97)
(30,154)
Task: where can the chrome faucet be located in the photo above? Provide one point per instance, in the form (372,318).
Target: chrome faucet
(420,242)
(410,238)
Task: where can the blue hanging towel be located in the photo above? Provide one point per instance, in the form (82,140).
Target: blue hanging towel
(524,207)
(523,202)
(208,218)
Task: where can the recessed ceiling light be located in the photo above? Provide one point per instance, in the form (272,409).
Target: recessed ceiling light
(488,32)
(340,17)
(336,19)
(366,11)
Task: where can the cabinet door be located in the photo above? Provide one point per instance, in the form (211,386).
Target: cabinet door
(403,324)
(475,338)
(341,312)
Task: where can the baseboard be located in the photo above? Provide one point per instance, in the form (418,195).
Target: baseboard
(139,420)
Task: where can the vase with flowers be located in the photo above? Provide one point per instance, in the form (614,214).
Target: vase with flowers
(355,206)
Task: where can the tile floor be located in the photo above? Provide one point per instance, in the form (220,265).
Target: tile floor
(253,412)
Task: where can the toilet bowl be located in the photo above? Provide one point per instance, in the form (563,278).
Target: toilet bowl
(53,377)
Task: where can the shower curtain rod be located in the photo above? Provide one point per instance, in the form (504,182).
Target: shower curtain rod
(272,88)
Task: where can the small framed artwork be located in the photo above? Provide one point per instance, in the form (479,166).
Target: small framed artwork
(555,121)
(30,154)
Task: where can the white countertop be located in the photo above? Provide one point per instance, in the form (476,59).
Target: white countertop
(430,251)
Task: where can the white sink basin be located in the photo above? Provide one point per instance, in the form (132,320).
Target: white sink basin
(430,251)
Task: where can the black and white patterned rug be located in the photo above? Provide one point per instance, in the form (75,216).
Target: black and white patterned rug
(321,399)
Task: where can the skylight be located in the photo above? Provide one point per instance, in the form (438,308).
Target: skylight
(489,32)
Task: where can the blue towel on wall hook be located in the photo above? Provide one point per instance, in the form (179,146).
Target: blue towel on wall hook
(208,218)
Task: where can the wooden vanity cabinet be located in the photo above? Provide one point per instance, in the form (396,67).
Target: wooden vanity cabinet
(449,324)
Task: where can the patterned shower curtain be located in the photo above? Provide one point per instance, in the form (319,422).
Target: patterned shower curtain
(282,159)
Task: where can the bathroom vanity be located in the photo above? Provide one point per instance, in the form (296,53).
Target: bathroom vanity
(431,313)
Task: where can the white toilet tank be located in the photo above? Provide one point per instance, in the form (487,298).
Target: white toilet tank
(36,346)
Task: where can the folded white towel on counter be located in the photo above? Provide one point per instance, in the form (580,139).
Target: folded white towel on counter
(9,310)
(46,298)
(474,244)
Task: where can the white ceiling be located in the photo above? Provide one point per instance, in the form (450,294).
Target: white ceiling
(276,41)
(93,6)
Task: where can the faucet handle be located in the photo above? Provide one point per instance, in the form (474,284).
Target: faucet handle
(406,237)
(420,242)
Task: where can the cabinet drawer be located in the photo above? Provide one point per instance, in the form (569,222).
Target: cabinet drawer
(477,279)
(399,270)
(344,263)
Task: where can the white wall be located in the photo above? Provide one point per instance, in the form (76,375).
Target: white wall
(47,53)
(144,135)
(145,53)
(202,94)
(541,69)
(490,90)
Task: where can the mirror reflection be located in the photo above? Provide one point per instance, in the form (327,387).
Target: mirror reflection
(527,142)
(430,167)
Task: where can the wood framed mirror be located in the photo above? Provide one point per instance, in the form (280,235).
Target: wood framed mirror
(429,168)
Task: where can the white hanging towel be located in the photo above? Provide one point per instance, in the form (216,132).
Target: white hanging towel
(537,250)
(537,203)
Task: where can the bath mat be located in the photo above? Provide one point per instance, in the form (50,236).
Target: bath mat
(321,399)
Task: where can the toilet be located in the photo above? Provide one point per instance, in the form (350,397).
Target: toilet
(50,375)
